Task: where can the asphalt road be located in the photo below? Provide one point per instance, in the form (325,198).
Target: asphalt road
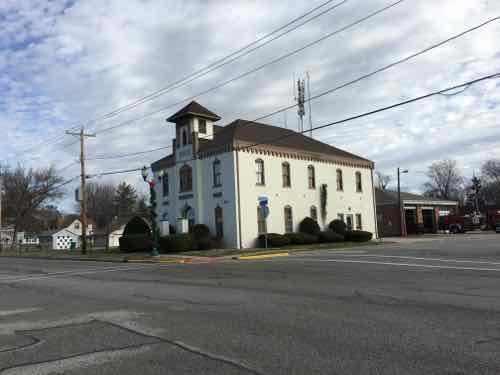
(421,308)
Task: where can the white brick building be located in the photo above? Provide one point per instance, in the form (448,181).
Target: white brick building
(215,175)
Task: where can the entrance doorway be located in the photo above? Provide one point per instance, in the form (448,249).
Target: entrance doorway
(411,221)
(429,220)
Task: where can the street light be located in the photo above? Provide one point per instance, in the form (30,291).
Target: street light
(402,226)
(152,193)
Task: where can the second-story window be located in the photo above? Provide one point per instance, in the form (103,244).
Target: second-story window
(340,180)
(259,166)
(164,184)
(217,173)
(311,176)
(186,178)
(202,126)
(184,138)
(285,172)
(359,184)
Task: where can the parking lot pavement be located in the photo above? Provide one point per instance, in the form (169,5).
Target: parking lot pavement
(426,307)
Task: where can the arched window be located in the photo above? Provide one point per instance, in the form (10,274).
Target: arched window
(311,176)
(288,216)
(285,172)
(186,178)
(359,184)
(217,173)
(165,185)
(340,180)
(259,166)
(314,213)
(184,138)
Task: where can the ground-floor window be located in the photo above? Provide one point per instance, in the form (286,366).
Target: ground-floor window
(340,217)
(359,224)
(348,222)
(288,219)
(314,213)
(261,221)
(219,222)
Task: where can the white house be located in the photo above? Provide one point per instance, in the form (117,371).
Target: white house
(62,239)
(216,174)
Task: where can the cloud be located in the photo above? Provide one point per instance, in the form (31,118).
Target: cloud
(64,63)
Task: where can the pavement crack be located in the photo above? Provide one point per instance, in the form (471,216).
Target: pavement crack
(186,301)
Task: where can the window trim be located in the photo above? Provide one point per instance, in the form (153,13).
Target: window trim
(288,221)
(311,177)
(204,122)
(261,175)
(165,186)
(184,169)
(339,179)
(217,175)
(285,166)
(359,184)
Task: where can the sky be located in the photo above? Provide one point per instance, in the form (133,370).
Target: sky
(64,64)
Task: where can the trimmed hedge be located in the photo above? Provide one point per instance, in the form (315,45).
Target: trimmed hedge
(200,231)
(358,236)
(136,242)
(177,242)
(299,238)
(309,226)
(330,237)
(137,225)
(338,226)
(273,240)
(205,244)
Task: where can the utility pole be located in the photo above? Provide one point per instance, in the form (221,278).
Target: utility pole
(83,202)
(402,224)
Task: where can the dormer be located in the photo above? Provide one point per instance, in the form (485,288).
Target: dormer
(193,122)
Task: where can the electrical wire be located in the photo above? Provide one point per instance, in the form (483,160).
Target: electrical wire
(256,69)
(351,118)
(346,84)
(128,155)
(236,55)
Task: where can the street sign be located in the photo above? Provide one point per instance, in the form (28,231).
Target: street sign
(263,201)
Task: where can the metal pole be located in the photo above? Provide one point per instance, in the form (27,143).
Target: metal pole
(400,210)
(154,226)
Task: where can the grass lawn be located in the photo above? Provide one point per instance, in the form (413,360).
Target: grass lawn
(112,254)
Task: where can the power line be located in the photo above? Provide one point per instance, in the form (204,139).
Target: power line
(128,155)
(351,118)
(399,104)
(207,69)
(239,53)
(256,69)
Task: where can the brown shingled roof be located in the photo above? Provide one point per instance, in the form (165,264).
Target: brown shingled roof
(243,133)
(194,109)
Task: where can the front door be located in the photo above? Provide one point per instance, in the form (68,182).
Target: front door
(348,221)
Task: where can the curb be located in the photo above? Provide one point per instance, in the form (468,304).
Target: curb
(63,258)
(263,256)
(171,261)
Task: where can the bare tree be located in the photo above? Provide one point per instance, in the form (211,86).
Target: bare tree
(491,170)
(26,190)
(383,180)
(445,180)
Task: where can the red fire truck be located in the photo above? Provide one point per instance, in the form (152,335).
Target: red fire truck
(456,223)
